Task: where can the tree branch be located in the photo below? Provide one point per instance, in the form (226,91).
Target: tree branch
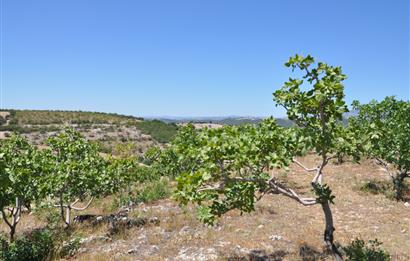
(83,208)
(385,166)
(5,219)
(291,194)
(303,166)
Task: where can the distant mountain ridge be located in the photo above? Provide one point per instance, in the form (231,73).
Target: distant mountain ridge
(228,120)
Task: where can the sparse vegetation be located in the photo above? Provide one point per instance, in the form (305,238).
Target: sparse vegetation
(358,250)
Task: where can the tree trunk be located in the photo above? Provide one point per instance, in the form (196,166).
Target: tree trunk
(61,205)
(12,233)
(398,182)
(68,216)
(328,234)
(15,218)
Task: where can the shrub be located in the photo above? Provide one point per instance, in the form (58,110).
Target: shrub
(71,247)
(383,187)
(378,187)
(34,246)
(152,191)
(358,250)
(147,192)
(160,131)
(2,120)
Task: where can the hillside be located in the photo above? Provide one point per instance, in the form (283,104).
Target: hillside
(279,229)
(230,120)
(109,130)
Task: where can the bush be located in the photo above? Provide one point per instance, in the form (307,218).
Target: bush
(144,174)
(380,187)
(146,192)
(375,187)
(160,131)
(34,246)
(2,120)
(152,191)
(358,250)
(71,247)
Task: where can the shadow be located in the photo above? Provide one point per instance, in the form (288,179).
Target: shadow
(308,253)
(260,255)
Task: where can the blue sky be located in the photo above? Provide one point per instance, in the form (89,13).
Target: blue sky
(194,58)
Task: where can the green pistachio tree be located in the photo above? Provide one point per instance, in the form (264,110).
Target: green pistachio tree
(19,178)
(315,102)
(232,167)
(385,126)
(76,172)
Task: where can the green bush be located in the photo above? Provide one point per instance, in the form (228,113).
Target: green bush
(152,191)
(146,192)
(145,174)
(158,130)
(34,246)
(358,250)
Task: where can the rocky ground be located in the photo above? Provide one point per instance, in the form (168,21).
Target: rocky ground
(107,135)
(279,229)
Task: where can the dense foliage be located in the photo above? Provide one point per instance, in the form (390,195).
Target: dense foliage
(75,171)
(385,128)
(221,169)
(34,246)
(21,168)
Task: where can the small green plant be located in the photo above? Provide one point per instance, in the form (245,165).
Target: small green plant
(48,213)
(358,250)
(152,191)
(34,246)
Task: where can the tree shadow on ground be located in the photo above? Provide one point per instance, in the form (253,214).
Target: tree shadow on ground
(308,253)
(260,255)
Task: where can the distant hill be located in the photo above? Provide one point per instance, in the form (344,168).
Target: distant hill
(45,117)
(109,130)
(230,120)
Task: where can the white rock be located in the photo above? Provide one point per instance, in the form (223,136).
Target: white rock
(197,254)
(275,237)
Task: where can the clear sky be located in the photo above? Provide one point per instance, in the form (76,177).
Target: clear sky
(193,58)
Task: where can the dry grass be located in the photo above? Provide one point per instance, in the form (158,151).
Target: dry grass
(356,214)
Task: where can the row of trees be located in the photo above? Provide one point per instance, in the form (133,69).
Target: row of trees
(67,172)
(233,167)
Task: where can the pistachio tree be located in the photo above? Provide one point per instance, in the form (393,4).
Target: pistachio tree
(385,127)
(19,178)
(232,167)
(76,172)
(315,102)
